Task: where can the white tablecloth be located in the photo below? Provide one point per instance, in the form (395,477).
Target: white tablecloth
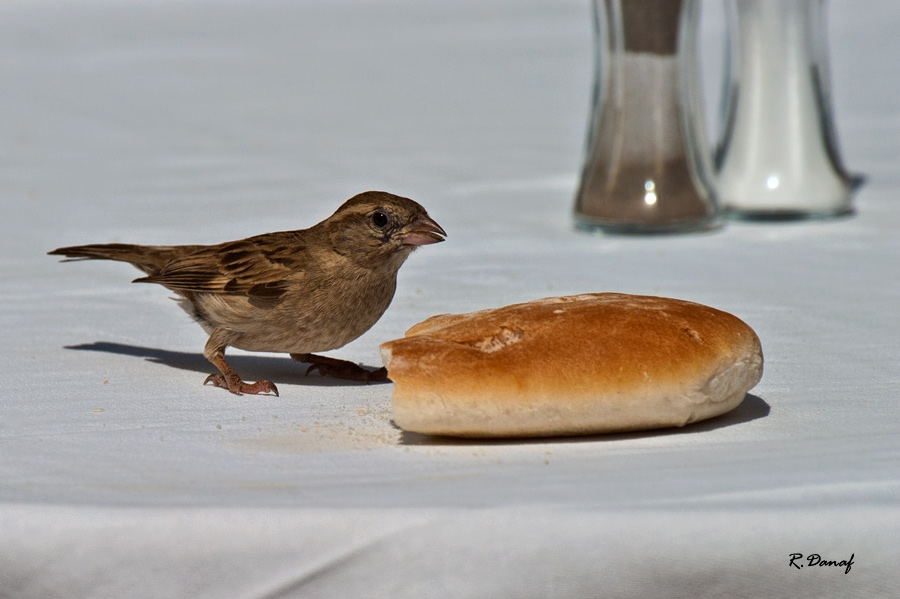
(191,122)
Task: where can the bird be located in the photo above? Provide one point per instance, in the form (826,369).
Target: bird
(297,292)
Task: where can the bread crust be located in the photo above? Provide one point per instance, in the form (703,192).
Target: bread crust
(582,364)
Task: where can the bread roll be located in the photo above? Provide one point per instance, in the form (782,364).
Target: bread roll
(582,364)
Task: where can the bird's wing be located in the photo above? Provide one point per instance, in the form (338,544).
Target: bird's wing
(258,267)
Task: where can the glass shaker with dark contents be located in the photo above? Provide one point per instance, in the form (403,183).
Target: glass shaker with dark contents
(647,169)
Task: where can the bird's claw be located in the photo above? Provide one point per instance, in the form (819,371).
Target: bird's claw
(351,372)
(377,376)
(239,387)
(342,369)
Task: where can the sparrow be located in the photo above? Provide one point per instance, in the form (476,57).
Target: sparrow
(295,292)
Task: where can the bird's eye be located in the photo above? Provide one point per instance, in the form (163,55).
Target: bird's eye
(379,219)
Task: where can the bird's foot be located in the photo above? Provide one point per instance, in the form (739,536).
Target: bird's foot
(239,387)
(341,369)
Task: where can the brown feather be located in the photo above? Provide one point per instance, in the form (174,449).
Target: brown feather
(258,266)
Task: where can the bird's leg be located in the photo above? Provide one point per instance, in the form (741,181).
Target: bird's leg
(229,379)
(341,369)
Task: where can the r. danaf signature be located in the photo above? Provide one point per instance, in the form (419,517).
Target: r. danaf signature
(814,559)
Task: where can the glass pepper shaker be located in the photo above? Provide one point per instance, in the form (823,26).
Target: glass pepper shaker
(648,167)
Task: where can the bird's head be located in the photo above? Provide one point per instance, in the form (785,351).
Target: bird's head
(377,228)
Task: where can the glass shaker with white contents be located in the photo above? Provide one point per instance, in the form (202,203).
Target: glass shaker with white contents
(778,156)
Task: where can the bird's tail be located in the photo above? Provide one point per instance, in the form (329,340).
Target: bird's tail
(148,258)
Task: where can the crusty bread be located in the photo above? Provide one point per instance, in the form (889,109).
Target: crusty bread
(593,363)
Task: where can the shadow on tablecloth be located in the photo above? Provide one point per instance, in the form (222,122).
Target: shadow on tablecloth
(278,369)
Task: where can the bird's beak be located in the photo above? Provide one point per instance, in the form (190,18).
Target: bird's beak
(422,231)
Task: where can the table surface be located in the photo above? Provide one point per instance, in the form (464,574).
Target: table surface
(197,122)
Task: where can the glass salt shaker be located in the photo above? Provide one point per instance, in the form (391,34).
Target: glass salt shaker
(648,167)
(778,156)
